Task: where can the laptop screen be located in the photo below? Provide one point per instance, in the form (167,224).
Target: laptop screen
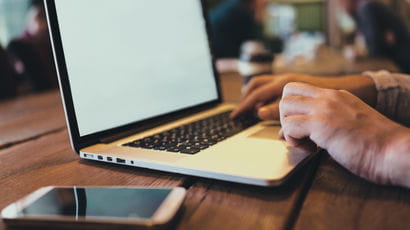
(130,60)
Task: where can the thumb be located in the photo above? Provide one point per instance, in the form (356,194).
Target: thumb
(269,112)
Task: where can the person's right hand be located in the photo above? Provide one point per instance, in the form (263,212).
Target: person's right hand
(354,134)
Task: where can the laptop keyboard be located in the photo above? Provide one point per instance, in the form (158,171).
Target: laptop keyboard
(196,136)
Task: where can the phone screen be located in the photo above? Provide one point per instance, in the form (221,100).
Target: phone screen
(97,203)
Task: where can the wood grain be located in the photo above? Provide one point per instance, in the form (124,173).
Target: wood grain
(341,200)
(49,160)
(223,205)
(30,117)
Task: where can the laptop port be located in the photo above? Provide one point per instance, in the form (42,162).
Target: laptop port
(109,158)
(86,155)
(100,158)
(119,160)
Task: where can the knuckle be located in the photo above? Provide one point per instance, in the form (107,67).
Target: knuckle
(288,87)
(333,93)
(283,102)
(330,92)
(344,93)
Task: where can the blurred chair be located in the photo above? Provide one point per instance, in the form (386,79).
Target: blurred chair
(8,85)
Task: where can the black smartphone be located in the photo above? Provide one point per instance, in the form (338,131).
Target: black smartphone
(92,207)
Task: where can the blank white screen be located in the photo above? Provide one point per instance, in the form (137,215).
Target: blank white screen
(129,60)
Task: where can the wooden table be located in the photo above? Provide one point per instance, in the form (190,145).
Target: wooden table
(35,152)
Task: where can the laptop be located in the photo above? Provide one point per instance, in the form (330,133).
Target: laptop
(139,88)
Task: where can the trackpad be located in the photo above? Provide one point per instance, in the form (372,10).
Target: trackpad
(270,132)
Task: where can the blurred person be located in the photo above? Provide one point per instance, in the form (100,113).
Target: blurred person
(31,52)
(384,31)
(354,134)
(233,22)
(36,26)
(8,87)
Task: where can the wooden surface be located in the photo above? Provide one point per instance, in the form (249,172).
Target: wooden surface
(338,199)
(35,152)
(30,117)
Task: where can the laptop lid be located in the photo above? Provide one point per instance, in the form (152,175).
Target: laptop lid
(126,64)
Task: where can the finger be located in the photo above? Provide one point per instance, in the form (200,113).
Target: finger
(256,83)
(302,89)
(296,127)
(294,105)
(261,95)
(304,144)
(281,135)
(296,131)
(269,112)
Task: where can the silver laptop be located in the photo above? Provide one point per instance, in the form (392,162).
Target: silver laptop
(140,88)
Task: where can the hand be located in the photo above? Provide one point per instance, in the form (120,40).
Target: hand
(353,133)
(262,92)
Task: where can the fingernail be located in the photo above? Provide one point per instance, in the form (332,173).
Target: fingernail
(263,112)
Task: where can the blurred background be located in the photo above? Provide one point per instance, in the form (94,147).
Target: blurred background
(26,61)
(321,37)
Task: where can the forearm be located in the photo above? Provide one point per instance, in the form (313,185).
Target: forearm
(393,95)
(397,157)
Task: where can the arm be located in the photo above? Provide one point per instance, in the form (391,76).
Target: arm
(398,156)
(354,134)
(393,95)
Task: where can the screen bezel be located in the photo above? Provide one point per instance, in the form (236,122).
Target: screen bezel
(162,215)
(78,142)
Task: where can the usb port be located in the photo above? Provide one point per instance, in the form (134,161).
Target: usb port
(86,155)
(100,157)
(119,160)
(109,158)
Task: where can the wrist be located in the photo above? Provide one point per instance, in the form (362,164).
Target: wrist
(397,157)
(309,79)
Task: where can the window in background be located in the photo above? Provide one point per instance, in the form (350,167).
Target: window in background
(281,20)
(300,24)
(12,19)
(285,18)
(310,16)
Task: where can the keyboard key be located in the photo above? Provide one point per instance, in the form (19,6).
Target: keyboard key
(196,136)
(190,150)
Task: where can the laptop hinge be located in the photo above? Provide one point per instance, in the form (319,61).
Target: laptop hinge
(118,136)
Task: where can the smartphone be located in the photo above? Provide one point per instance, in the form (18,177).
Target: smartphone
(88,207)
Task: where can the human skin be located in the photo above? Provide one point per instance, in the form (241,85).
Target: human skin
(262,93)
(353,133)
